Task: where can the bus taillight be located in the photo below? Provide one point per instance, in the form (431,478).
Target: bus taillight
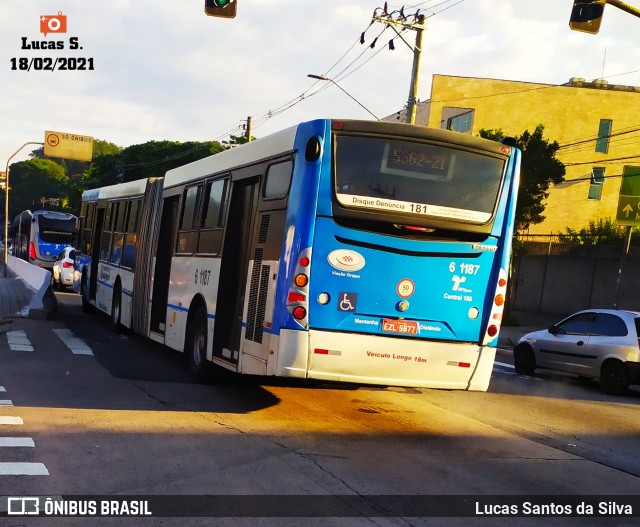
(495,317)
(32,251)
(297,303)
(299,313)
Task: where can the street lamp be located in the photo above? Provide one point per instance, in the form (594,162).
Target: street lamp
(6,205)
(323,78)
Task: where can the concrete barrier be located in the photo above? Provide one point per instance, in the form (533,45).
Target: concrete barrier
(43,303)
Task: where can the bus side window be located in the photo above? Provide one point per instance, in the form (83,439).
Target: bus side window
(105,240)
(188,232)
(118,233)
(129,252)
(88,226)
(278,179)
(210,240)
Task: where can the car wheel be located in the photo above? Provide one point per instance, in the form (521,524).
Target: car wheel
(524,360)
(196,345)
(614,378)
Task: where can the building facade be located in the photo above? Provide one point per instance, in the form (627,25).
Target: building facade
(596,124)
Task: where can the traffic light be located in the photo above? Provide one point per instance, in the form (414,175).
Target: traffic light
(586,15)
(223,8)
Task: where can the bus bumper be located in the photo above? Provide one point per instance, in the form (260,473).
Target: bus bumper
(382,360)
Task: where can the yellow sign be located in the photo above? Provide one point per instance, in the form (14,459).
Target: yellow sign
(68,146)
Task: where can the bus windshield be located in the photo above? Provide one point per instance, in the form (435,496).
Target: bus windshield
(416,178)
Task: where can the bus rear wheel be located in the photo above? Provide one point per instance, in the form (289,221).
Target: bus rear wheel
(196,345)
(116,308)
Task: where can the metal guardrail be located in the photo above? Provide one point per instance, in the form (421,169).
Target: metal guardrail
(575,245)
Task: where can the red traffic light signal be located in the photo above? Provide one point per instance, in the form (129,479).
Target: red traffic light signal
(586,15)
(222,8)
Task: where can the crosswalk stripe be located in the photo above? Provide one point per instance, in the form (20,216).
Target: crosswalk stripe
(18,340)
(77,346)
(2,389)
(6,402)
(16,442)
(10,420)
(23,469)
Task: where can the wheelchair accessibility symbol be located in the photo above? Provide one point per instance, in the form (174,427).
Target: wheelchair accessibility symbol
(347,301)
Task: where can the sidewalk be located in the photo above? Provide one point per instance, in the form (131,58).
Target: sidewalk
(15,295)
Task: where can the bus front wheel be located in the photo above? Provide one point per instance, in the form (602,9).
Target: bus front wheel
(87,307)
(196,345)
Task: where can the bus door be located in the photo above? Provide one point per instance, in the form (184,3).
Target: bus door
(95,253)
(234,267)
(162,271)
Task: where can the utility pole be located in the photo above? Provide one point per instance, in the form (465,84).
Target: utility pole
(247,132)
(415,22)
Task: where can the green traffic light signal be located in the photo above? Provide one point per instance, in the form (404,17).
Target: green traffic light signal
(221,8)
(586,15)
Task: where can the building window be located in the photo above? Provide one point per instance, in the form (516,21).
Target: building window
(597,182)
(604,132)
(461,123)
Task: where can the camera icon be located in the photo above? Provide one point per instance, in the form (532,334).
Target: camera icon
(53,23)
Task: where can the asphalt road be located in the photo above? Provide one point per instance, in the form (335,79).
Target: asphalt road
(112,414)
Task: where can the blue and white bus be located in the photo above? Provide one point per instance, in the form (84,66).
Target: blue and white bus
(354,251)
(40,236)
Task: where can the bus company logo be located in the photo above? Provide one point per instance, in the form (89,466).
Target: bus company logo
(346,260)
(23,506)
(53,23)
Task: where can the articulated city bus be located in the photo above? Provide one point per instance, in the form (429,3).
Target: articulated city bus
(354,251)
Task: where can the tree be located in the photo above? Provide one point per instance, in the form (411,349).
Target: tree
(33,180)
(539,170)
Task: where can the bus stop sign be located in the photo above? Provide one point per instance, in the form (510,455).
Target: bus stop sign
(628,212)
(68,146)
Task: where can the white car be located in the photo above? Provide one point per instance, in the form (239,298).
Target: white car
(62,272)
(595,343)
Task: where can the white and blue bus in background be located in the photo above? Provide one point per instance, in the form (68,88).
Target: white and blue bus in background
(40,236)
(354,251)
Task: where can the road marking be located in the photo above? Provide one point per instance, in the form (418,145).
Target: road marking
(2,389)
(77,346)
(6,402)
(23,469)
(10,420)
(16,442)
(504,364)
(18,340)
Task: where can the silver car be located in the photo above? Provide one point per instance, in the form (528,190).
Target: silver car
(595,343)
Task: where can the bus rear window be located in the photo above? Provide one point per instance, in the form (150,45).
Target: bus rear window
(56,230)
(421,179)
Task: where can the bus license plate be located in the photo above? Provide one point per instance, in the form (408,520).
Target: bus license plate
(399,326)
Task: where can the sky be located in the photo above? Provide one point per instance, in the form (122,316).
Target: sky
(164,70)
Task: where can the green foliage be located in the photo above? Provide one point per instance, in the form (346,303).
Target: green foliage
(32,180)
(539,170)
(68,179)
(599,231)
